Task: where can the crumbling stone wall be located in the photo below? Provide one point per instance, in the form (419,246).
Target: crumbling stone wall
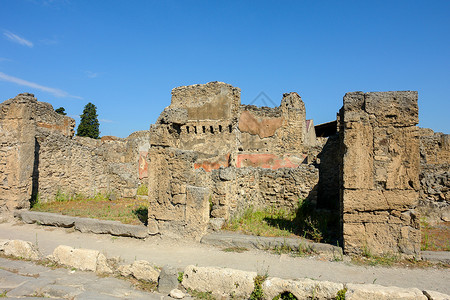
(21,119)
(380,172)
(262,188)
(434,196)
(39,157)
(243,155)
(86,166)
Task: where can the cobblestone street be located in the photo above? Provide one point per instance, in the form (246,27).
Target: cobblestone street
(19,279)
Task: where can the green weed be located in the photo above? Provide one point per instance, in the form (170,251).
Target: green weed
(61,196)
(235,249)
(341,294)
(180,277)
(200,295)
(142,190)
(258,293)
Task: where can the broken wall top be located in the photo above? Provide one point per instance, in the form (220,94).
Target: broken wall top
(210,101)
(26,106)
(398,109)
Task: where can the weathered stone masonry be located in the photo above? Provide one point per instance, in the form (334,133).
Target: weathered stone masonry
(40,157)
(209,157)
(434,195)
(240,156)
(380,172)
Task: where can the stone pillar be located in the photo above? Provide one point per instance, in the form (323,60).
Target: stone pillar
(379,173)
(176,208)
(17,153)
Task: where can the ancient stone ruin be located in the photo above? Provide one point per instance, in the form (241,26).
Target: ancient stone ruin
(208,158)
(211,156)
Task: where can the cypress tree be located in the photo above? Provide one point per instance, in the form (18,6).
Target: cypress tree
(89,125)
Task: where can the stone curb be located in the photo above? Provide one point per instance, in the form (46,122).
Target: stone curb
(222,282)
(83,224)
(263,243)
(436,256)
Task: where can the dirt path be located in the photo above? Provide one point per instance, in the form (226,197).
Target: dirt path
(181,254)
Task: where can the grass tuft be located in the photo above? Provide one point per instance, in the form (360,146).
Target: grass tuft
(142,190)
(127,211)
(305,221)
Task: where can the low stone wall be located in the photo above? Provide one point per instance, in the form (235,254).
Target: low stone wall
(85,166)
(237,189)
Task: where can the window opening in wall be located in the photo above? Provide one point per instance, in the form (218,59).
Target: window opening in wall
(195,129)
(204,129)
(220,128)
(230,128)
(187,129)
(211,129)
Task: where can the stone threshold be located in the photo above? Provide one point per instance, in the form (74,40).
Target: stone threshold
(231,239)
(83,224)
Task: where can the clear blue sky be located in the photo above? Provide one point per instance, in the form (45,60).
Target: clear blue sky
(126,56)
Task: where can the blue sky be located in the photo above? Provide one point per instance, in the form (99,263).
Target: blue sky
(126,56)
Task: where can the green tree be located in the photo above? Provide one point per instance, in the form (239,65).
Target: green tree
(61,111)
(89,125)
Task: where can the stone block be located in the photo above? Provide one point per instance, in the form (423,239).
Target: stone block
(179,199)
(221,282)
(19,249)
(110,227)
(378,292)
(168,279)
(176,294)
(376,200)
(45,218)
(141,270)
(397,108)
(197,211)
(227,174)
(216,224)
(82,259)
(357,170)
(301,288)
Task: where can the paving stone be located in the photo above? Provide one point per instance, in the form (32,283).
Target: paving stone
(62,291)
(168,279)
(9,280)
(31,288)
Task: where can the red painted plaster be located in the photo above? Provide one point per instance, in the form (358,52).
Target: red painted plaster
(143,165)
(209,165)
(268,161)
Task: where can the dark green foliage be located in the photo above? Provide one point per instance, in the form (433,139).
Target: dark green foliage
(89,125)
(61,111)
(285,296)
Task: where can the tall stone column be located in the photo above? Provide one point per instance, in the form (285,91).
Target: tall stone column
(379,174)
(17,153)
